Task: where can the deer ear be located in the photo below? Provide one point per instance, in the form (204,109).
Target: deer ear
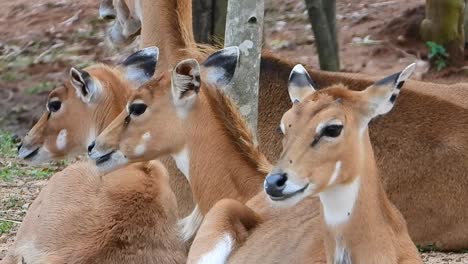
(382,95)
(87,88)
(219,68)
(185,84)
(300,85)
(140,66)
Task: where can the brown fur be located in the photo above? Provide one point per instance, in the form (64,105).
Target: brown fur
(81,217)
(421,157)
(234,169)
(80,120)
(373,231)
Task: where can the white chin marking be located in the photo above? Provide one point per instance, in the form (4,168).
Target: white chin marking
(61,141)
(220,252)
(116,161)
(292,201)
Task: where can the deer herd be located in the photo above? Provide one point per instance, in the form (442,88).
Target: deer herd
(352,181)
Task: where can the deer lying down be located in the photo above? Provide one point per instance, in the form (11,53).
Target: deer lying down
(327,153)
(80,109)
(221,159)
(127,216)
(420,148)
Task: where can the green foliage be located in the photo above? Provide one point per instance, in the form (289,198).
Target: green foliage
(426,248)
(437,55)
(40,88)
(5,227)
(7,145)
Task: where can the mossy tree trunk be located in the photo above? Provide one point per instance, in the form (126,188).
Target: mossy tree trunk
(444,25)
(244,28)
(322,16)
(209,20)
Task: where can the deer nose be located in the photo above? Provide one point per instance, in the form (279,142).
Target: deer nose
(91,146)
(275,184)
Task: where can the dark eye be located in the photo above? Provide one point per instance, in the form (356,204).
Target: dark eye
(54,106)
(137,109)
(332,130)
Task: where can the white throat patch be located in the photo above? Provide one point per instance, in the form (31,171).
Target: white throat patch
(182,160)
(338,202)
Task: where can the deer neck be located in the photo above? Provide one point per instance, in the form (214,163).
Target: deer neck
(167,24)
(354,212)
(217,168)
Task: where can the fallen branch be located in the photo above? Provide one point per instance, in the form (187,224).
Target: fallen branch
(11,221)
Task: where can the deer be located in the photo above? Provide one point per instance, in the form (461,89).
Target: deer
(327,154)
(429,161)
(82,107)
(82,216)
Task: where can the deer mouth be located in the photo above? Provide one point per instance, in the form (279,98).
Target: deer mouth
(27,154)
(104,158)
(286,195)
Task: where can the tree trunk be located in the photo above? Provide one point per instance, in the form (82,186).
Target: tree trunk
(244,27)
(322,16)
(444,25)
(209,20)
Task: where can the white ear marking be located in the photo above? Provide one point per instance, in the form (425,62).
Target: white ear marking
(406,73)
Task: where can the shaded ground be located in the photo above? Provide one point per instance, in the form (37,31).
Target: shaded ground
(42,39)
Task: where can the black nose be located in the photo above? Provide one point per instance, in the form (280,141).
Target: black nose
(90,147)
(19,146)
(275,184)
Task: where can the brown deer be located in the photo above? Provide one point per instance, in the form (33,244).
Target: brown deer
(327,153)
(218,143)
(80,109)
(126,216)
(427,167)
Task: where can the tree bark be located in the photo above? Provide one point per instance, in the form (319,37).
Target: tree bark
(209,20)
(322,16)
(444,25)
(244,27)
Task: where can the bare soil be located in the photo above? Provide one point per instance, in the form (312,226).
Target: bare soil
(41,39)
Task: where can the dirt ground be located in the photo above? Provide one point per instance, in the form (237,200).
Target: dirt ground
(41,39)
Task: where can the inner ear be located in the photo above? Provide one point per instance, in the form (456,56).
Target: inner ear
(78,79)
(186,78)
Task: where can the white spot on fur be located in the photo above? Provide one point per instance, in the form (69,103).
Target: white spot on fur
(245,46)
(338,202)
(182,160)
(141,148)
(190,224)
(335,174)
(61,140)
(220,252)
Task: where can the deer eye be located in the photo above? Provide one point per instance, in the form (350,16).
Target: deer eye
(54,106)
(137,109)
(332,130)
